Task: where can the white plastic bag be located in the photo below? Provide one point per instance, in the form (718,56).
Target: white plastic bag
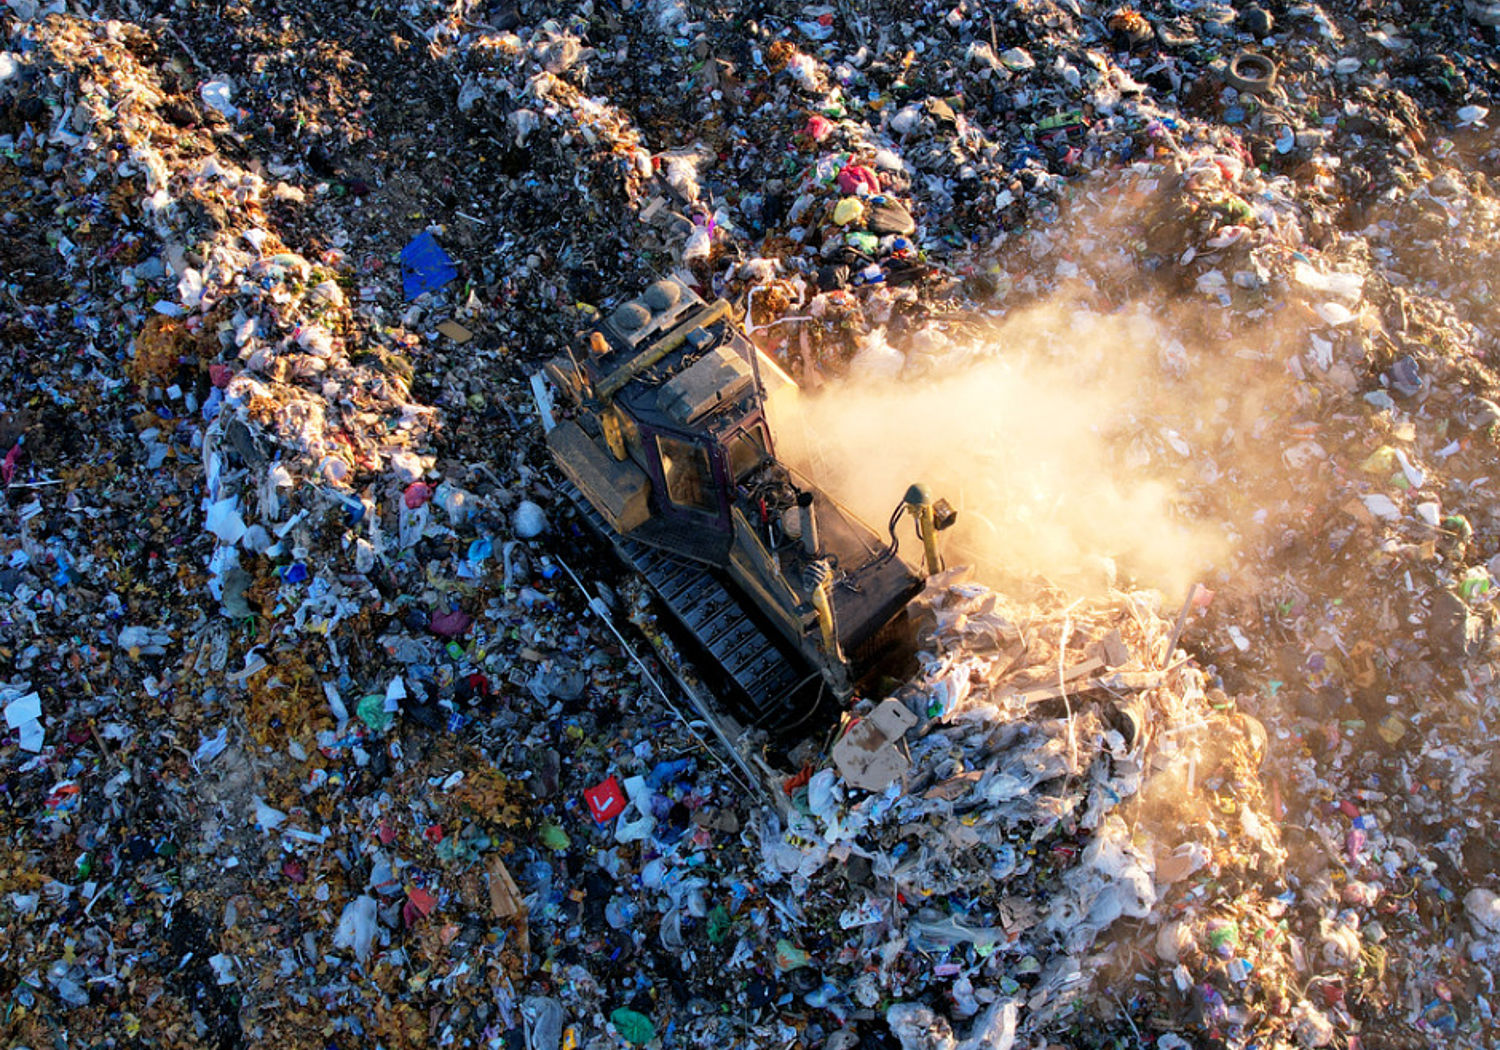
(628,829)
(995,1029)
(544,1022)
(356,929)
(918,1028)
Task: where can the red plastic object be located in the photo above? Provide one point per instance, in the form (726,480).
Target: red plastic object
(606,801)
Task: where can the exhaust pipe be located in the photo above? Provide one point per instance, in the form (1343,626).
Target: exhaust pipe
(809,524)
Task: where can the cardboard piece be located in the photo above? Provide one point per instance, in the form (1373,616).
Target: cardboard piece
(455,331)
(868,756)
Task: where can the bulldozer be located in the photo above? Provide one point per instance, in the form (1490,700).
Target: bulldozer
(658,421)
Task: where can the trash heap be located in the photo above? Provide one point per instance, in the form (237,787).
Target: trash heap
(312,732)
(1069,776)
(265,575)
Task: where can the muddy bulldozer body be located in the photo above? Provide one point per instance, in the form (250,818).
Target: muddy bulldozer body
(662,434)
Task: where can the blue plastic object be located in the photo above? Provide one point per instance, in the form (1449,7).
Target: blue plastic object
(666,772)
(425,267)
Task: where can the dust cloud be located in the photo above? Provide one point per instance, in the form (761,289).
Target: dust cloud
(1046,433)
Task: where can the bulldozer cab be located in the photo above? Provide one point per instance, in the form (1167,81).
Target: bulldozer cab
(695,473)
(673,390)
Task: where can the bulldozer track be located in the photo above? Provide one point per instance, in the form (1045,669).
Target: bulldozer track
(711,614)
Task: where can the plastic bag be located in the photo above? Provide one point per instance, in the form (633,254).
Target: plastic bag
(876,358)
(995,1029)
(224,520)
(643,823)
(356,929)
(218,94)
(1484,911)
(528,520)
(544,1022)
(918,1028)
(633,1027)
(849,211)
(699,245)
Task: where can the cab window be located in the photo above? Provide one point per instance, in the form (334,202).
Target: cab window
(747,450)
(689,476)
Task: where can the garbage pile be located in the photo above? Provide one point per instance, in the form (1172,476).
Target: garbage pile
(319,724)
(1066,772)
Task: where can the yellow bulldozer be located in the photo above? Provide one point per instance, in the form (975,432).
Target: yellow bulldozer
(658,421)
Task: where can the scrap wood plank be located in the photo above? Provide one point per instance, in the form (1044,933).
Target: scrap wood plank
(455,331)
(505,897)
(1115,652)
(1038,693)
(1132,681)
(955,786)
(506,902)
(1119,681)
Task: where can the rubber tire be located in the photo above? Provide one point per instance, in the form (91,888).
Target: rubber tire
(1251,73)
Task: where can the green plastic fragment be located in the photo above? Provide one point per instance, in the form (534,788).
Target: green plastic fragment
(718,924)
(789,956)
(372,712)
(553,837)
(633,1027)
